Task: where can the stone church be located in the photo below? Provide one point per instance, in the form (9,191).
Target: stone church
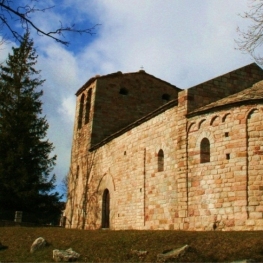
(149,155)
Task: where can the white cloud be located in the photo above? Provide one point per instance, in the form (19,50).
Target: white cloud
(184,42)
(67,109)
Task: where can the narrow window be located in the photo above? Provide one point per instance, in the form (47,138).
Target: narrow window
(123,91)
(88,104)
(205,151)
(160,161)
(81,111)
(105,209)
(77,173)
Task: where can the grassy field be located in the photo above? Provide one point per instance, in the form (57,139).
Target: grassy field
(115,246)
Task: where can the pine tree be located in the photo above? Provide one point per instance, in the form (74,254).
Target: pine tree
(25,162)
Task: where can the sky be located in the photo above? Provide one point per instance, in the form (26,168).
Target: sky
(184,42)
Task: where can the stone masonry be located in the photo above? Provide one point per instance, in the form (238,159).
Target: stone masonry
(148,155)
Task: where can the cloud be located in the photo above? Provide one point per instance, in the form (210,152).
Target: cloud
(167,38)
(183,42)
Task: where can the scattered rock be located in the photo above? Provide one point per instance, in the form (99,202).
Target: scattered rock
(37,244)
(140,253)
(172,254)
(65,255)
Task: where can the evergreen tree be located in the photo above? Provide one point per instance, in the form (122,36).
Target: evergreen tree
(25,162)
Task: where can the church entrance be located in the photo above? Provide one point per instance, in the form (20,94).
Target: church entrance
(105,209)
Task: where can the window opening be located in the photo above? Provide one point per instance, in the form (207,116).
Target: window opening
(77,173)
(123,91)
(205,151)
(81,111)
(88,105)
(105,209)
(160,161)
(166,97)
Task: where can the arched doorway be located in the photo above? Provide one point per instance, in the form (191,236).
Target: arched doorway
(105,209)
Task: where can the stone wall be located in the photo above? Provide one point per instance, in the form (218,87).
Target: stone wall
(219,190)
(124,98)
(141,197)
(170,169)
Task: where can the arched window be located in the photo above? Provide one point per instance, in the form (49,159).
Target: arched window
(81,104)
(88,104)
(160,161)
(205,151)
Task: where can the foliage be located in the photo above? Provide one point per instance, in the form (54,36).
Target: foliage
(25,162)
(116,246)
(13,11)
(251,40)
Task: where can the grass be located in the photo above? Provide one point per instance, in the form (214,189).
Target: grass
(115,246)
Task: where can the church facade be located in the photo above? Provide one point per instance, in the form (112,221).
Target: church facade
(149,155)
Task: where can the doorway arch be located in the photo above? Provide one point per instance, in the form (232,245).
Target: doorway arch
(105,209)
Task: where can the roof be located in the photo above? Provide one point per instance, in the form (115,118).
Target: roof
(118,74)
(250,94)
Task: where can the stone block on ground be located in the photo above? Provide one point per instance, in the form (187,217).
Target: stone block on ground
(65,255)
(172,254)
(38,244)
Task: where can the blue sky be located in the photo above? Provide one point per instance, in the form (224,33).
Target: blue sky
(184,42)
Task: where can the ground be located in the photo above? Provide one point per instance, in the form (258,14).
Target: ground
(116,246)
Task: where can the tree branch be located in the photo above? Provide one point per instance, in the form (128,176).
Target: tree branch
(250,40)
(23,14)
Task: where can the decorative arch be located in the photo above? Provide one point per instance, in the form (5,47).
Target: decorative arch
(160,160)
(191,127)
(214,121)
(201,123)
(105,181)
(227,115)
(250,112)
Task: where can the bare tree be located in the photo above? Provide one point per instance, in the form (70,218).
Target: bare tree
(87,164)
(80,203)
(71,195)
(251,39)
(12,11)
